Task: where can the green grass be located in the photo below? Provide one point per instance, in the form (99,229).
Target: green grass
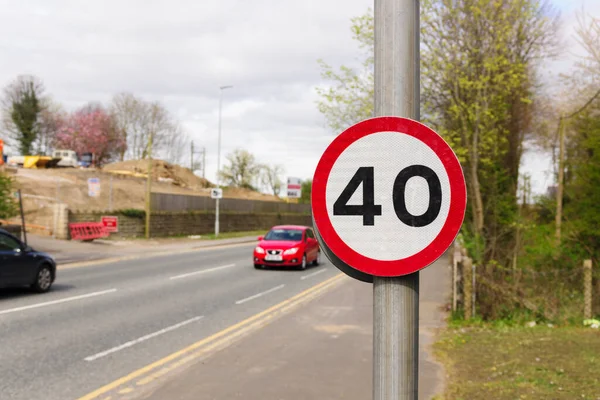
(495,362)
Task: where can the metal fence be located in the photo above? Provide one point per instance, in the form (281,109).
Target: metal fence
(181,202)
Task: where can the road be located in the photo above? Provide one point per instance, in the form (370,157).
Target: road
(101,322)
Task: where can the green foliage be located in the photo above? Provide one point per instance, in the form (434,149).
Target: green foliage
(24,115)
(478,68)
(133,213)
(582,185)
(242,171)
(306,192)
(8,205)
(22,107)
(349,98)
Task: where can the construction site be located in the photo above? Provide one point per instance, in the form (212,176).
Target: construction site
(118,186)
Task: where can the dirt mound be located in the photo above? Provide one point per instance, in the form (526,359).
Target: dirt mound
(161,171)
(239,193)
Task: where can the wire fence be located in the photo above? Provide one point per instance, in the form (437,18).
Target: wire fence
(494,291)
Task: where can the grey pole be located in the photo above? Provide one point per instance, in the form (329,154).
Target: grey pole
(110,194)
(396,300)
(219,159)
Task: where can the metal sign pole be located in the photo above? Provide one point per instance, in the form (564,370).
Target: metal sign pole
(396,300)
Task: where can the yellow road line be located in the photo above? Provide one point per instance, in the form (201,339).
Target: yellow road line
(226,334)
(147,255)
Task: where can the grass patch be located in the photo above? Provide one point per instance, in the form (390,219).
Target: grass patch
(515,362)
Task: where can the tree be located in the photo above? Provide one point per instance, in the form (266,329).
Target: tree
(349,99)
(582,183)
(479,64)
(242,170)
(8,206)
(22,104)
(306,194)
(136,119)
(49,122)
(271,178)
(91,129)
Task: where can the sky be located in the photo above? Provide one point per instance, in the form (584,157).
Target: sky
(180,52)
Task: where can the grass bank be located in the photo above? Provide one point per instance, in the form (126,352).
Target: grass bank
(502,362)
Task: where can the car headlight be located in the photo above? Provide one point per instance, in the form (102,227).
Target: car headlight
(260,250)
(291,251)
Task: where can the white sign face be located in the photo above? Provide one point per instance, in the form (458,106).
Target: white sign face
(216,193)
(384,236)
(94,187)
(294,188)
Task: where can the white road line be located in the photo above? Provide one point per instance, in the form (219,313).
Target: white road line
(142,339)
(259,294)
(202,271)
(49,303)
(313,274)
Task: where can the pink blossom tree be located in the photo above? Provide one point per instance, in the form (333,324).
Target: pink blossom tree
(91,130)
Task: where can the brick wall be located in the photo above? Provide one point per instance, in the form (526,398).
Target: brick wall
(163,224)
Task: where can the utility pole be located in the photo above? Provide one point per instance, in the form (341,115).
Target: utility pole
(192,157)
(219,158)
(396,299)
(193,162)
(204,163)
(149,186)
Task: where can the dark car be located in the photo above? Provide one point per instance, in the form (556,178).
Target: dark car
(287,246)
(20,265)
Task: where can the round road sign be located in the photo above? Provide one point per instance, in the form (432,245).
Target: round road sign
(388,198)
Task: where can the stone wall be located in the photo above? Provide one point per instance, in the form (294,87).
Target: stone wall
(163,224)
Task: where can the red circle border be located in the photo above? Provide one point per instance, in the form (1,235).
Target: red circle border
(456,213)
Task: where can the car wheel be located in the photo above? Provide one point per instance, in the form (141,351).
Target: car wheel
(318,259)
(258,266)
(43,279)
(304,263)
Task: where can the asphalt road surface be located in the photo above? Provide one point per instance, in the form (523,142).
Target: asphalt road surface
(101,322)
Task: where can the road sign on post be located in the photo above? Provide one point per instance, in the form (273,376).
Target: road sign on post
(294,188)
(93,187)
(216,193)
(111,223)
(388,198)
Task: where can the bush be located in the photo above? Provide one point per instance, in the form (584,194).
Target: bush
(133,213)
(8,205)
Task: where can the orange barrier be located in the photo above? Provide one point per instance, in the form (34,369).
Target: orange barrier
(87,231)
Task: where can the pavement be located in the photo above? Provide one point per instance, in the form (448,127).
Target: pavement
(199,323)
(322,351)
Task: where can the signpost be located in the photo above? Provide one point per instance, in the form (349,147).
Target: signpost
(388,199)
(94,187)
(216,193)
(294,188)
(111,223)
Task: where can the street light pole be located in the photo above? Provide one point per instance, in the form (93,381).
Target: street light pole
(219,158)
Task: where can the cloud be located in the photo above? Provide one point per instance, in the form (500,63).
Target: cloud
(180,51)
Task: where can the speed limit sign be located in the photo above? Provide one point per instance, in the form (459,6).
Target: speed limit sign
(388,198)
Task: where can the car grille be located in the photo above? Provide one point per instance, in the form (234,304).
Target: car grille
(274,252)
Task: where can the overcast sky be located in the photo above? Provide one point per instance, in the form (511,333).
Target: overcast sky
(181,51)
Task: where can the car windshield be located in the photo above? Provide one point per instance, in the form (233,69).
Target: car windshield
(294,235)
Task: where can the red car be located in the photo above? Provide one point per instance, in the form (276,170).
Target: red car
(287,246)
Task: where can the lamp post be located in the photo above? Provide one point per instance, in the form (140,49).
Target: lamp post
(219,158)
